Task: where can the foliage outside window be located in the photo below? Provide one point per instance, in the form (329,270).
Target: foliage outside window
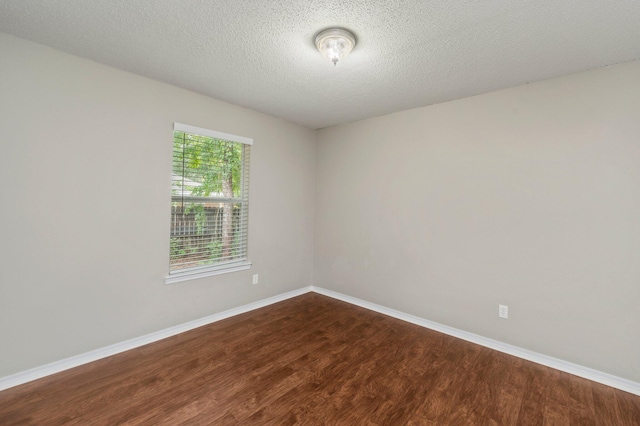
(209,201)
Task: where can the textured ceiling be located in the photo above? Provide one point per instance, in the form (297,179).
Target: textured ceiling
(260,54)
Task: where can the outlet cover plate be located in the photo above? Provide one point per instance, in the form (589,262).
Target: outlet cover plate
(503,311)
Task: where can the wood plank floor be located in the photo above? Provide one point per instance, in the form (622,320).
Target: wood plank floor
(313,360)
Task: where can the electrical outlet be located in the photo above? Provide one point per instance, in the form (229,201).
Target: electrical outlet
(255,278)
(503,311)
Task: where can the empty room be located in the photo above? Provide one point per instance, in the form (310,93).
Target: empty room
(383,212)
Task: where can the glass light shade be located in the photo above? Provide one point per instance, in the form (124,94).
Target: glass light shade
(335,44)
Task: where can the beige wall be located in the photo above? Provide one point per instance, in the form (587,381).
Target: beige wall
(528,197)
(85,186)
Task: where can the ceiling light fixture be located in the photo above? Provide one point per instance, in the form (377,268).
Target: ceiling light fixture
(335,44)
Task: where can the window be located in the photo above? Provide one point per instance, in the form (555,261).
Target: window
(209,203)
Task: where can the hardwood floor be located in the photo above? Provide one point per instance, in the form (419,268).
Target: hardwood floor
(313,360)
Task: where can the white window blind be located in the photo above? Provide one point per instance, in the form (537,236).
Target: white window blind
(209,202)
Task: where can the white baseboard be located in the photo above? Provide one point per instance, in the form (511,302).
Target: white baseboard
(75,361)
(558,364)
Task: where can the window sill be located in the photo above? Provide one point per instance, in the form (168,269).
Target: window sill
(208,272)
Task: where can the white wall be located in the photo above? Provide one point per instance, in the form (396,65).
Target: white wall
(528,197)
(85,188)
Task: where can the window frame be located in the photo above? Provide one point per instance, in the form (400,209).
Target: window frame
(222,267)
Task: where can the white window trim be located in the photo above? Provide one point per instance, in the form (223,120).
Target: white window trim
(209,271)
(179,127)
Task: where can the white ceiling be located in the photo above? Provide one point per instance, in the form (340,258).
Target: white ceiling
(260,54)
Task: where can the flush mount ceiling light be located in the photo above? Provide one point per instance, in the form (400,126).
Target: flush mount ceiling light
(335,44)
